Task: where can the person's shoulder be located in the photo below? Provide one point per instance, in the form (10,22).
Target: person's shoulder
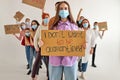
(52,18)
(74,26)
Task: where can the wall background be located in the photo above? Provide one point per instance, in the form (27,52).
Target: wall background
(108,49)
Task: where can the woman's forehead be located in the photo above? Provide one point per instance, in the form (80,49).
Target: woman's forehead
(46,16)
(34,23)
(63,5)
(85,21)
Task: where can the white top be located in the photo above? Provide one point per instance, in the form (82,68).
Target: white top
(96,34)
(37,35)
(90,42)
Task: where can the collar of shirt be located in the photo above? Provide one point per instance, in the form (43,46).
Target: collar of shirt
(63,25)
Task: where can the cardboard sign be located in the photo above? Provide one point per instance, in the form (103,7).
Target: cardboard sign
(36,3)
(102,26)
(18,16)
(62,43)
(13,28)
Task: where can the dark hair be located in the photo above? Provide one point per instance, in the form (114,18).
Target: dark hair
(83,21)
(57,17)
(57,3)
(35,22)
(95,23)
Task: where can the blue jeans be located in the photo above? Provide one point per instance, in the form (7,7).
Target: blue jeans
(27,50)
(84,67)
(32,54)
(70,72)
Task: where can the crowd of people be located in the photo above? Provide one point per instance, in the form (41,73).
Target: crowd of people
(56,66)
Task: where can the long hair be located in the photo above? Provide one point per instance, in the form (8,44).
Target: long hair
(35,22)
(57,17)
(83,21)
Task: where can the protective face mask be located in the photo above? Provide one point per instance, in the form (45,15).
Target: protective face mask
(80,21)
(23,27)
(63,13)
(27,23)
(27,34)
(45,21)
(95,26)
(85,25)
(34,27)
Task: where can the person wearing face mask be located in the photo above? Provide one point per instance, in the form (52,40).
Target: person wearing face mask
(21,37)
(97,34)
(27,23)
(67,64)
(37,39)
(89,45)
(79,18)
(79,21)
(34,26)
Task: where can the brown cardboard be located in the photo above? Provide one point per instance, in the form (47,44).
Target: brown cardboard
(19,16)
(36,3)
(60,43)
(12,28)
(102,26)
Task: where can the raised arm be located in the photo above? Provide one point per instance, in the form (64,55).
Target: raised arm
(101,35)
(20,36)
(78,16)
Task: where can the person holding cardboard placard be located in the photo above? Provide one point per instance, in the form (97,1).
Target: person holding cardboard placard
(37,38)
(97,34)
(67,64)
(34,25)
(27,23)
(79,18)
(79,21)
(89,44)
(21,37)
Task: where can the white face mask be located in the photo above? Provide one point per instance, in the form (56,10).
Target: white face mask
(85,25)
(27,23)
(23,27)
(95,27)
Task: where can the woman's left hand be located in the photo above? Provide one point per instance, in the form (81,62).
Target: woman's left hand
(91,51)
(40,43)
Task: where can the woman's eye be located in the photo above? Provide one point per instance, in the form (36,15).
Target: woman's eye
(65,8)
(61,8)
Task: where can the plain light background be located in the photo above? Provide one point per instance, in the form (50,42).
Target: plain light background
(12,54)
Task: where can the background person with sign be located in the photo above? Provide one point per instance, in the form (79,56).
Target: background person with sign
(97,34)
(90,43)
(37,38)
(27,23)
(21,37)
(34,25)
(79,18)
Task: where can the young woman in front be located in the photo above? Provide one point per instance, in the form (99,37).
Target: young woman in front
(67,64)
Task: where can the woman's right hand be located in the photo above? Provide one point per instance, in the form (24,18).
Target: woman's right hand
(14,34)
(37,49)
(40,43)
(84,45)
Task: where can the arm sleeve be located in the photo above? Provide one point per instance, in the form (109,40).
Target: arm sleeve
(92,39)
(36,37)
(99,35)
